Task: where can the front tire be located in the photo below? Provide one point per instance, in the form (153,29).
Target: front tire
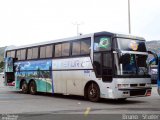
(24,87)
(158,90)
(93,92)
(32,88)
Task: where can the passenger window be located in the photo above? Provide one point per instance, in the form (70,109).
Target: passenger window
(42,52)
(23,54)
(29,55)
(18,55)
(65,49)
(8,54)
(49,50)
(58,50)
(85,46)
(13,54)
(76,48)
(35,53)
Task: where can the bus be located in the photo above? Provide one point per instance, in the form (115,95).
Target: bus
(156,62)
(97,65)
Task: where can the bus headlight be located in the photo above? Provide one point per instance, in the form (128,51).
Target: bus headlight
(148,84)
(123,85)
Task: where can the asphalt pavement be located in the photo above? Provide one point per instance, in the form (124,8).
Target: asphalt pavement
(12,101)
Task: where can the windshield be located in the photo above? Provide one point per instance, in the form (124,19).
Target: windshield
(130,64)
(131,45)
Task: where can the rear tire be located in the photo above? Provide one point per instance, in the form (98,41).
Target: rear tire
(93,92)
(32,88)
(24,87)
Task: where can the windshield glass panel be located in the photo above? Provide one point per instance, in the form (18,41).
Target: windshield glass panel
(131,45)
(130,64)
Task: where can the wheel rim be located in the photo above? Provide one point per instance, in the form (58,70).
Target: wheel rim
(24,87)
(93,92)
(32,88)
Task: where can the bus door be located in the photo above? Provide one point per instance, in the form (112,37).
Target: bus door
(158,78)
(103,65)
(9,71)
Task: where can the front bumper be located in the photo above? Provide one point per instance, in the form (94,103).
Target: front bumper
(137,91)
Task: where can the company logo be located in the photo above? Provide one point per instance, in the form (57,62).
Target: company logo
(133,45)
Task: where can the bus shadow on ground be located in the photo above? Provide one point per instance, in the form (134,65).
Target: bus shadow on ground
(81,98)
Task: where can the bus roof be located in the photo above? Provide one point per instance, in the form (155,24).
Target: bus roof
(73,38)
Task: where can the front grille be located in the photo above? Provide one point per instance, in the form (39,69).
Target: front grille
(133,85)
(142,85)
(137,92)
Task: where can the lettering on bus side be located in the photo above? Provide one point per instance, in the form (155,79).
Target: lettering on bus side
(72,63)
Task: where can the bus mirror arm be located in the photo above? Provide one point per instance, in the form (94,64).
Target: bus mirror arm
(116,50)
(155,57)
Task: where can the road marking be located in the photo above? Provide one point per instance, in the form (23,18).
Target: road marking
(87,111)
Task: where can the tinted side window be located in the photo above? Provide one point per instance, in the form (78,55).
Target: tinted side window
(102,43)
(23,54)
(76,48)
(8,54)
(35,53)
(42,52)
(29,55)
(107,60)
(49,51)
(18,55)
(97,62)
(58,50)
(13,54)
(85,46)
(65,49)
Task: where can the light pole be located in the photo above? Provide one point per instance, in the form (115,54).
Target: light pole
(77,27)
(129,19)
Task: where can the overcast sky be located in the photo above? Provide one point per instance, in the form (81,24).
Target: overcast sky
(31,21)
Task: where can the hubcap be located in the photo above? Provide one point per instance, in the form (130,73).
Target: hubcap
(92,92)
(32,89)
(24,87)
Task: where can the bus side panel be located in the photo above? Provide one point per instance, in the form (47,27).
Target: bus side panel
(69,75)
(59,82)
(71,82)
(75,81)
(40,71)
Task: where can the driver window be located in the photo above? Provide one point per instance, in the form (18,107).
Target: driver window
(128,63)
